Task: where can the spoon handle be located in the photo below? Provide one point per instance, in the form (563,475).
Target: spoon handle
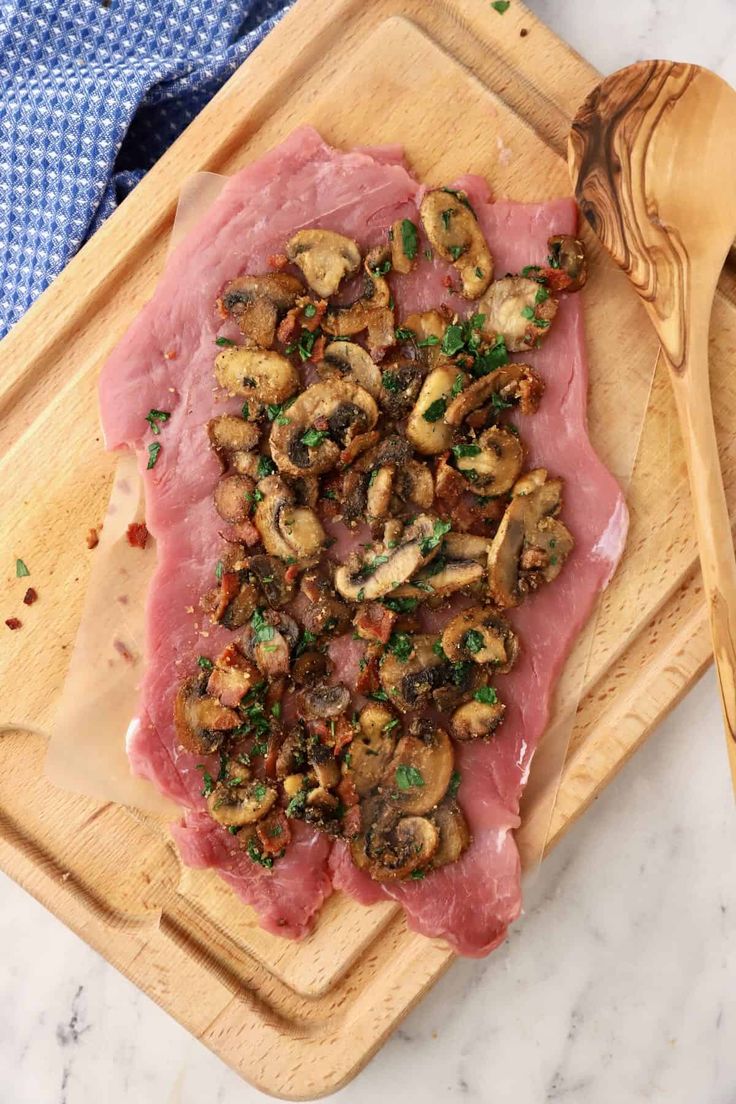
(690,381)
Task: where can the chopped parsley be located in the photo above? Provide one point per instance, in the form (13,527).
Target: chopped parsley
(418,874)
(409,238)
(390,724)
(403,333)
(435,410)
(466,450)
(486,695)
(223,341)
(429,543)
(459,196)
(446,216)
(219,568)
(534,271)
(455,779)
(501,6)
(153,450)
(493,358)
(258,856)
(21,571)
(155,418)
(382,269)
(297,805)
(428,254)
(453,340)
(528,313)
(275,412)
(310,310)
(208,782)
(401,605)
(313,438)
(306,344)
(473,641)
(265,467)
(402,645)
(408,777)
(391,382)
(262,631)
(305,640)
(542,295)
(205,663)
(498,403)
(456,251)
(375,563)
(432,339)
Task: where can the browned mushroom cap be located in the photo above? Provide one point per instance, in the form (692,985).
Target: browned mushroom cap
(453,231)
(309,669)
(236,806)
(516,384)
(477,719)
(482,635)
(319,425)
(419,773)
(270,573)
(401,381)
(380,492)
(201,722)
(394,848)
(287,531)
(234,497)
(268,640)
(519,309)
(382,570)
(325,612)
(493,463)
(466,546)
(324,702)
(409,681)
(232,602)
(568,254)
(446,575)
(231,436)
(426,427)
(352,362)
(531,545)
(372,746)
(404,246)
(246,463)
(257,302)
(371,313)
(262,375)
(413,484)
(232,677)
(324,257)
(454,834)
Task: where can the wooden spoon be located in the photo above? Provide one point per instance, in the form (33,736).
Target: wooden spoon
(652,154)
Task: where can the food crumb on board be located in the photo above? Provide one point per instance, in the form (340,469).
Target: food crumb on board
(93,538)
(30,596)
(137,534)
(13,623)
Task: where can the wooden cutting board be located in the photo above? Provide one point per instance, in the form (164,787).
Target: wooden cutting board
(461,87)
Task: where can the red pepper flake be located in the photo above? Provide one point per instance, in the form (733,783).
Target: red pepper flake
(30,596)
(170,354)
(555,279)
(318,349)
(447,282)
(344,735)
(93,538)
(374,622)
(137,534)
(278,261)
(287,326)
(292,573)
(14,623)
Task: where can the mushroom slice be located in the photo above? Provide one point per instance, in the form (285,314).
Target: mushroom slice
(325,702)
(454,834)
(453,231)
(477,719)
(482,635)
(230,436)
(413,483)
(426,427)
(353,362)
(465,546)
(427,329)
(519,309)
(236,806)
(494,463)
(513,384)
(419,773)
(567,254)
(531,545)
(271,575)
(287,531)
(232,677)
(325,611)
(410,681)
(321,422)
(256,302)
(443,578)
(201,721)
(401,381)
(379,493)
(404,240)
(263,375)
(233,497)
(372,747)
(395,848)
(380,572)
(269,640)
(232,602)
(324,257)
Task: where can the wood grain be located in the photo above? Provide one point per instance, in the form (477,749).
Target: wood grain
(461,88)
(654,181)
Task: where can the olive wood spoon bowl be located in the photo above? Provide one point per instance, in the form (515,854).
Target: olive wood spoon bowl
(652,155)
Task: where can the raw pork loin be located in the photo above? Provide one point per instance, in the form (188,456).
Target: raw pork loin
(165,362)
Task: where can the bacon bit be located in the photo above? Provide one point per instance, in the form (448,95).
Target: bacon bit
(123,650)
(287,326)
(351,822)
(347,791)
(313,323)
(292,574)
(137,534)
(344,734)
(275,740)
(92,538)
(278,261)
(318,349)
(450,486)
(447,282)
(274,833)
(14,623)
(555,279)
(368,680)
(30,596)
(374,622)
(223,595)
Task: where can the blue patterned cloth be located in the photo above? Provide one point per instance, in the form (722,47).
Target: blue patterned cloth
(91,94)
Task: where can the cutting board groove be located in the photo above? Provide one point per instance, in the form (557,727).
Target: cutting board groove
(458,85)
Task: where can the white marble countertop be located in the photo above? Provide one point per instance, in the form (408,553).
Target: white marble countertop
(619,984)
